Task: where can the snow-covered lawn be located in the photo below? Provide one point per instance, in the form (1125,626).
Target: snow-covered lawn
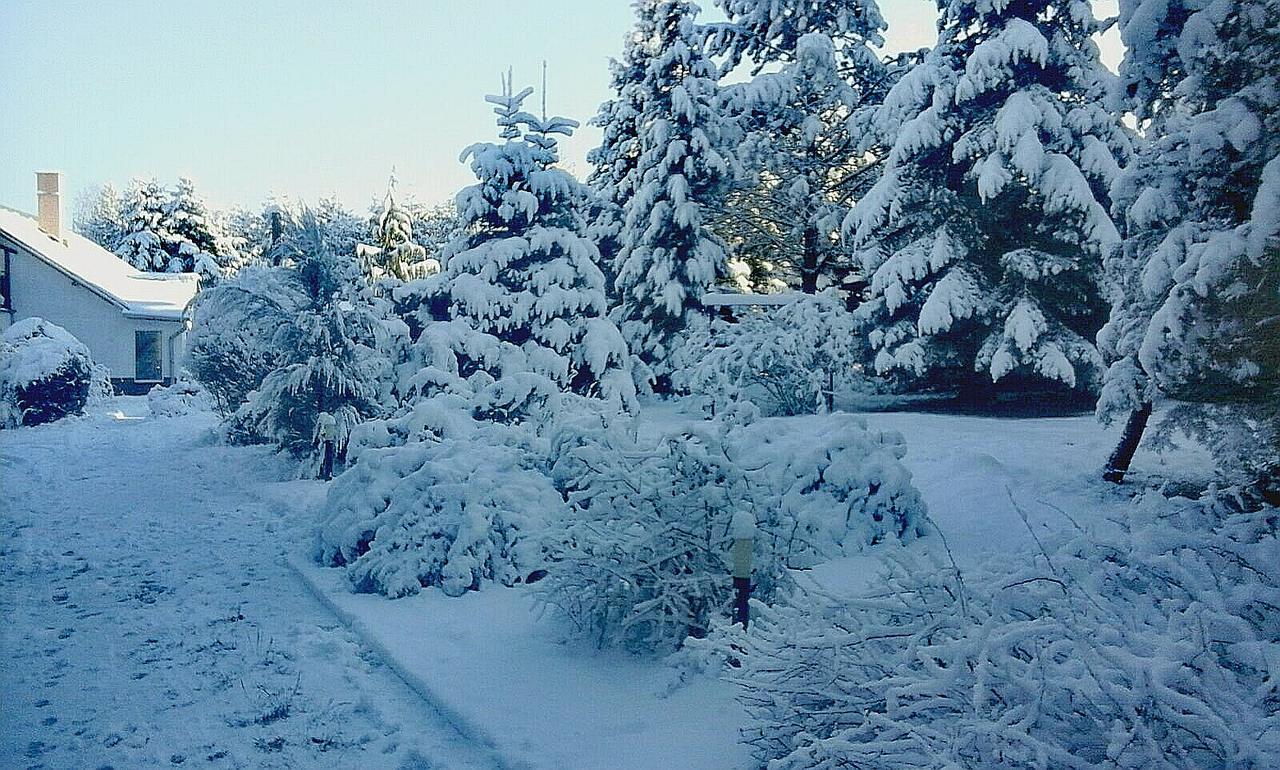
(150,621)
(502,669)
(158,612)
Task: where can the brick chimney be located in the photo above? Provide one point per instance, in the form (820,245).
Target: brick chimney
(49,202)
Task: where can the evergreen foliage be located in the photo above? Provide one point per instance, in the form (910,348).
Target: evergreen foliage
(984,235)
(668,254)
(805,156)
(523,292)
(1196,290)
(169,231)
(318,340)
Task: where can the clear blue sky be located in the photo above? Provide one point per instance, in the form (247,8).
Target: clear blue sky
(250,98)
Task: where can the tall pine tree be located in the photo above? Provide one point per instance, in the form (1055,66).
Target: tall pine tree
(984,235)
(1196,304)
(668,254)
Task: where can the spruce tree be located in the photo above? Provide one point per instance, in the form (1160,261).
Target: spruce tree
(192,242)
(144,212)
(1197,286)
(668,254)
(526,301)
(613,176)
(983,237)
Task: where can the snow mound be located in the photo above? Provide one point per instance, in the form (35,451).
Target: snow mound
(45,374)
(461,506)
(179,399)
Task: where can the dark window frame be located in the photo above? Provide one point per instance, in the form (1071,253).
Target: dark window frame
(6,291)
(138,336)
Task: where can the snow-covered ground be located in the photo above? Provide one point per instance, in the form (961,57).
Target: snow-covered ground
(160,610)
(150,621)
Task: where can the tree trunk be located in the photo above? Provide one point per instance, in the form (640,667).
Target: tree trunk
(1118,463)
(809,262)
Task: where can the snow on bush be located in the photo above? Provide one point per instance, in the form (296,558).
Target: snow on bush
(181,398)
(462,502)
(640,557)
(232,344)
(45,374)
(1153,647)
(830,486)
(787,361)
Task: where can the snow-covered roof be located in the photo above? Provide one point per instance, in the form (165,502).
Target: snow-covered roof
(138,294)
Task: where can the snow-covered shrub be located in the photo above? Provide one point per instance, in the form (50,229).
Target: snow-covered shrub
(640,558)
(232,343)
(462,502)
(45,374)
(787,361)
(324,337)
(181,398)
(830,487)
(1154,646)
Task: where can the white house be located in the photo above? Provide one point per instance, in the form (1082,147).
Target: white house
(134,323)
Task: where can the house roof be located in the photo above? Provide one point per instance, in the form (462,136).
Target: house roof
(138,294)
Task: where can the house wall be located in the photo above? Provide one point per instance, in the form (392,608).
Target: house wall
(41,290)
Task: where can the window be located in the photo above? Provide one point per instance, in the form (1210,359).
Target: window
(148,356)
(6,298)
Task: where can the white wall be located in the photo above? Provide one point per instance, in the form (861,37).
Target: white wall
(41,290)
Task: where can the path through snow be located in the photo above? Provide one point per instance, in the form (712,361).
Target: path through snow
(149,619)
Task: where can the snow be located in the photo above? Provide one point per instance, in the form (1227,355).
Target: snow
(146,295)
(156,615)
(33,350)
(150,620)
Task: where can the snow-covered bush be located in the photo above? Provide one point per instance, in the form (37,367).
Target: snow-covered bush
(787,361)
(45,374)
(640,558)
(1154,646)
(462,502)
(181,398)
(332,355)
(231,349)
(829,487)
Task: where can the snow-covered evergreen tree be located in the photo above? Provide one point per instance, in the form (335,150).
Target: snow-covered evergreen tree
(169,230)
(668,254)
(398,256)
(984,235)
(1196,308)
(146,227)
(193,239)
(330,349)
(613,176)
(805,165)
(99,218)
(525,296)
